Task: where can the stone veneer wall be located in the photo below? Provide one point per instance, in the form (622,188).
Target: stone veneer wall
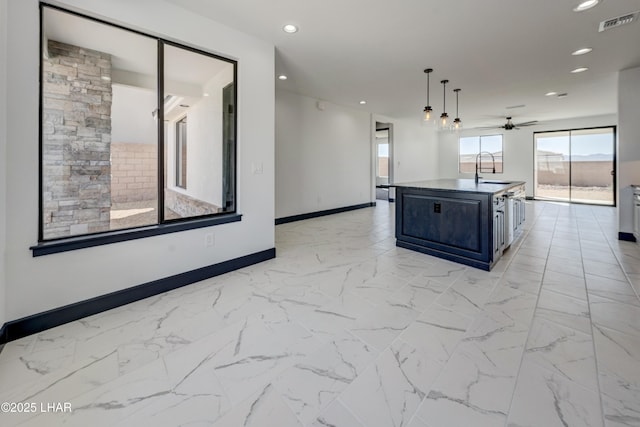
(134,172)
(186,206)
(76,138)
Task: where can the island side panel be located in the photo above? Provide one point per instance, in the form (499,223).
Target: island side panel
(453,225)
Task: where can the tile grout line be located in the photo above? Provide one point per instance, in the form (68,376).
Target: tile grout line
(624,270)
(524,350)
(593,341)
(473,319)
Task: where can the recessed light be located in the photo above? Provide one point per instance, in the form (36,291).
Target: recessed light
(106,78)
(585,4)
(282,77)
(550,93)
(579,70)
(290,28)
(205,94)
(581,51)
(363,102)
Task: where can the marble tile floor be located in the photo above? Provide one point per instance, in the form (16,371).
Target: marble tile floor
(344,329)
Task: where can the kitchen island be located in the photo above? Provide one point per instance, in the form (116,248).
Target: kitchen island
(459,219)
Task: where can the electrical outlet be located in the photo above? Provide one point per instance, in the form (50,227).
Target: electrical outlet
(209,240)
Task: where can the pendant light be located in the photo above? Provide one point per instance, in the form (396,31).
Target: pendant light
(428,110)
(457,123)
(444,116)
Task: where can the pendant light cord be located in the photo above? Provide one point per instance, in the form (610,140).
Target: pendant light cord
(444,96)
(428,88)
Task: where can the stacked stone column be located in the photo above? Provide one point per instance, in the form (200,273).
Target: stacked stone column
(76,140)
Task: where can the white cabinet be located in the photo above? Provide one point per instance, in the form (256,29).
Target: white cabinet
(499,230)
(515,212)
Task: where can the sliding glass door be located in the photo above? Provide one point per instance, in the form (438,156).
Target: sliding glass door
(576,165)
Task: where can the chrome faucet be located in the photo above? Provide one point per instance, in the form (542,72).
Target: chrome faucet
(479,159)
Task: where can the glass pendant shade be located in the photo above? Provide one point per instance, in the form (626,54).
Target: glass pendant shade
(427,110)
(443,123)
(444,120)
(427,113)
(457,123)
(444,117)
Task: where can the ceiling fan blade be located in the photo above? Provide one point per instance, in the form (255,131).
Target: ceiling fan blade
(530,123)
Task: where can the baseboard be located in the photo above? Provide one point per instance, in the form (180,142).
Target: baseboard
(627,237)
(317,214)
(39,322)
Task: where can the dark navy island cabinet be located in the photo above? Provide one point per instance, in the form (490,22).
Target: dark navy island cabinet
(457,219)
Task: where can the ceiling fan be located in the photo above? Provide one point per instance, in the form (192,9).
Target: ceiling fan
(510,125)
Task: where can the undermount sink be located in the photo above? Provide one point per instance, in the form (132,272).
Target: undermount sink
(495,182)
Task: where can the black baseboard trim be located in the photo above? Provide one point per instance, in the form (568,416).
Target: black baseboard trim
(627,237)
(39,322)
(317,214)
(529,198)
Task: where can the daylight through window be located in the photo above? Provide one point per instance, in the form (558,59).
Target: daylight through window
(117,109)
(492,154)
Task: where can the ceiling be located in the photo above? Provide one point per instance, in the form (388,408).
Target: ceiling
(500,53)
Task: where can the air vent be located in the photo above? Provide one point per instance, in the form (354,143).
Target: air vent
(618,21)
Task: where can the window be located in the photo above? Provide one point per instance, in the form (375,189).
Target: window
(117,106)
(492,155)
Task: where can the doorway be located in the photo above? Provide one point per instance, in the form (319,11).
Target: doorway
(576,165)
(383,162)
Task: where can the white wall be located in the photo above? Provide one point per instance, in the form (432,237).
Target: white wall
(326,158)
(323,158)
(204,143)
(204,146)
(131,119)
(3,156)
(415,150)
(37,284)
(517,147)
(628,144)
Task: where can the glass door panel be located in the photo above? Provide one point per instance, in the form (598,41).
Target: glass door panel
(576,166)
(553,166)
(592,166)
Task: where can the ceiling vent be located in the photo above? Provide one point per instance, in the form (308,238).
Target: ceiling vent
(618,21)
